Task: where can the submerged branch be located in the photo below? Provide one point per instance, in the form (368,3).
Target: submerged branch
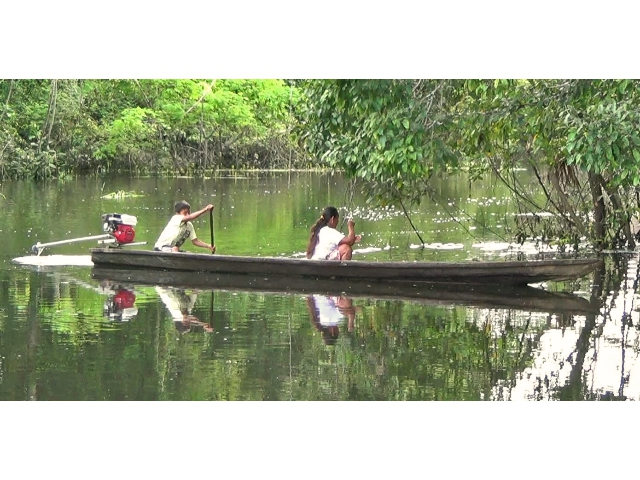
(406,214)
(566,205)
(513,189)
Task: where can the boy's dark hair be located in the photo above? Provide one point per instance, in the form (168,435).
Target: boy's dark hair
(181,327)
(181,205)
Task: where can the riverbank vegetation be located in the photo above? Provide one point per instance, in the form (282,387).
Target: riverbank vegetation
(578,137)
(53,128)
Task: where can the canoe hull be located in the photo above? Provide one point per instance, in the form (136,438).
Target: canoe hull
(495,272)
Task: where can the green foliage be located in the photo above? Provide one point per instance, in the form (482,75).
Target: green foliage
(589,124)
(574,134)
(379,131)
(51,128)
(129,134)
(602,136)
(581,132)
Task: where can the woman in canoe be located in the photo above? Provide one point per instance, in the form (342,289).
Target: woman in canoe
(327,243)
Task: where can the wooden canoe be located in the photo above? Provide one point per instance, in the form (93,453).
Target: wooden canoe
(480,272)
(483,296)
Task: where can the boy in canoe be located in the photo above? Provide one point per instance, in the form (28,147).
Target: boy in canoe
(180,228)
(327,243)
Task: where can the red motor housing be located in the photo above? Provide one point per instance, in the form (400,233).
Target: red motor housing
(124,299)
(124,233)
(120,227)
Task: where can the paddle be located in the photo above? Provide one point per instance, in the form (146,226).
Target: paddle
(211,227)
(212,243)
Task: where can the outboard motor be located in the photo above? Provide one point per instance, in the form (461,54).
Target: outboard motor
(120,226)
(118,231)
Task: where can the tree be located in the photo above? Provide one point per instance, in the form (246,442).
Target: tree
(577,137)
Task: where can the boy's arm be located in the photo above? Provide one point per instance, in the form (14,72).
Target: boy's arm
(199,243)
(194,215)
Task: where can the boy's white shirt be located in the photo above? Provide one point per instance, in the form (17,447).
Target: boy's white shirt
(175,230)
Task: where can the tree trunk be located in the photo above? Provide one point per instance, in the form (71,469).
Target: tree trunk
(623,217)
(202,150)
(564,202)
(6,103)
(595,182)
(51,115)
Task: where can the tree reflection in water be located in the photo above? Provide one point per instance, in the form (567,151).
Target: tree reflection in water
(595,357)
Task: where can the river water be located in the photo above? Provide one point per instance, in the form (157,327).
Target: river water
(67,335)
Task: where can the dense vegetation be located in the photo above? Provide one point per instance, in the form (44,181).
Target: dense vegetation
(52,128)
(578,137)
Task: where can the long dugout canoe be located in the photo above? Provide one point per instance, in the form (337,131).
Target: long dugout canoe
(483,296)
(476,272)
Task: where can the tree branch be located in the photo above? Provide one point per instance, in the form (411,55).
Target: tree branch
(6,103)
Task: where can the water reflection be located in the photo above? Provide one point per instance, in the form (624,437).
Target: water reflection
(180,304)
(79,334)
(479,295)
(592,357)
(328,312)
(119,304)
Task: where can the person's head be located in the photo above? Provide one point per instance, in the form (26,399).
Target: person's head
(329,217)
(182,327)
(330,335)
(181,206)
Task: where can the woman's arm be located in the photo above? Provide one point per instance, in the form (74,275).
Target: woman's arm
(351,237)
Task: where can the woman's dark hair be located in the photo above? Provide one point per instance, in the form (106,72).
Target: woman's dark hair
(327,214)
(330,335)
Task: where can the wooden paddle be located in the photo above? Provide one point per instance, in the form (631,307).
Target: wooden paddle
(212,244)
(211,226)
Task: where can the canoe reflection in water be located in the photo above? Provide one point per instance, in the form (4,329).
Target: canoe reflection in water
(180,305)
(328,312)
(119,306)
